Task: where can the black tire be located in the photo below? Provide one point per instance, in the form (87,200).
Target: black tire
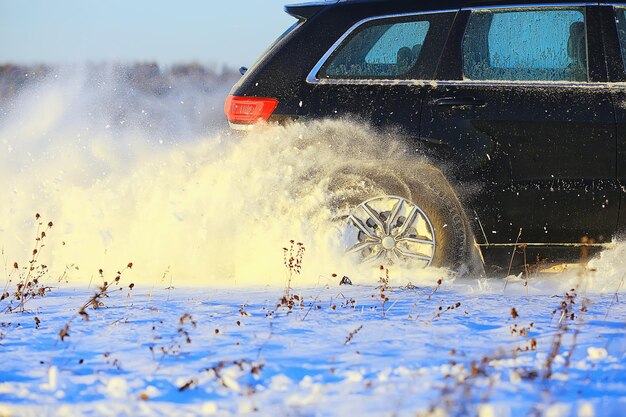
(426,187)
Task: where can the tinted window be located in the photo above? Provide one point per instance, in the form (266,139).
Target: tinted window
(526,45)
(382,49)
(620,19)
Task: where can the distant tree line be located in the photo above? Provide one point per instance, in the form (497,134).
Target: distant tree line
(146,77)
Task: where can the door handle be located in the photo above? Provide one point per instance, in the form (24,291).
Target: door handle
(460,102)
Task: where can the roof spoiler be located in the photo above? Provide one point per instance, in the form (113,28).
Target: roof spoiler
(306,10)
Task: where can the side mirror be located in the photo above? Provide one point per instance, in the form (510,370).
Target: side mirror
(243,70)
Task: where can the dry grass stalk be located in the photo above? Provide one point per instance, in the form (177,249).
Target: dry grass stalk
(29,278)
(383,288)
(352,334)
(566,308)
(292,259)
(615,297)
(95,301)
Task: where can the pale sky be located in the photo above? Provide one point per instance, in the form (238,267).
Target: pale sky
(232,32)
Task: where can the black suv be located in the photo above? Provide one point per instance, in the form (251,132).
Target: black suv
(527,100)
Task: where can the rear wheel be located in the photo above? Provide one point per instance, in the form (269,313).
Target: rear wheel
(392,229)
(412,218)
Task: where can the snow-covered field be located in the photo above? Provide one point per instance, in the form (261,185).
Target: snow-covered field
(146,174)
(456,349)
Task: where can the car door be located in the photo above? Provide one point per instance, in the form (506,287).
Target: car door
(521,94)
(614,29)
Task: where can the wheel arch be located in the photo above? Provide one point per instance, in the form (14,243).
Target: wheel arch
(398,178)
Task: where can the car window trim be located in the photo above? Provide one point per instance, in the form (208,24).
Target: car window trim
(527,83)
(312,77)
(531,6)
(485,83)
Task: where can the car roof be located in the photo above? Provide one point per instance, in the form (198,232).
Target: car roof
(309,9)
(450,4)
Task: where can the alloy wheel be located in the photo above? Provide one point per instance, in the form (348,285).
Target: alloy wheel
(391,229)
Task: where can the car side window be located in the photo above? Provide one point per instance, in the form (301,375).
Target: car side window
(381,49)
(526,45)
(620,20)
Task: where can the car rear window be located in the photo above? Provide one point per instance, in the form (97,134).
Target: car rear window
(526,45)
(384,48)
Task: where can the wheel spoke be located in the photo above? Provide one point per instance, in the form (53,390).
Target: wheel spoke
(413,255)
(359,225)
(360,246)
(374,257)
(409,221)
(374,216)
(414,240)
(394,215)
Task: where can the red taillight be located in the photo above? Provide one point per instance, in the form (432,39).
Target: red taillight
(249,110)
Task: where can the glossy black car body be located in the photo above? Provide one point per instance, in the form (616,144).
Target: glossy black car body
(549,156)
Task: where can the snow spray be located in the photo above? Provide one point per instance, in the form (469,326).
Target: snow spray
(158,180)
